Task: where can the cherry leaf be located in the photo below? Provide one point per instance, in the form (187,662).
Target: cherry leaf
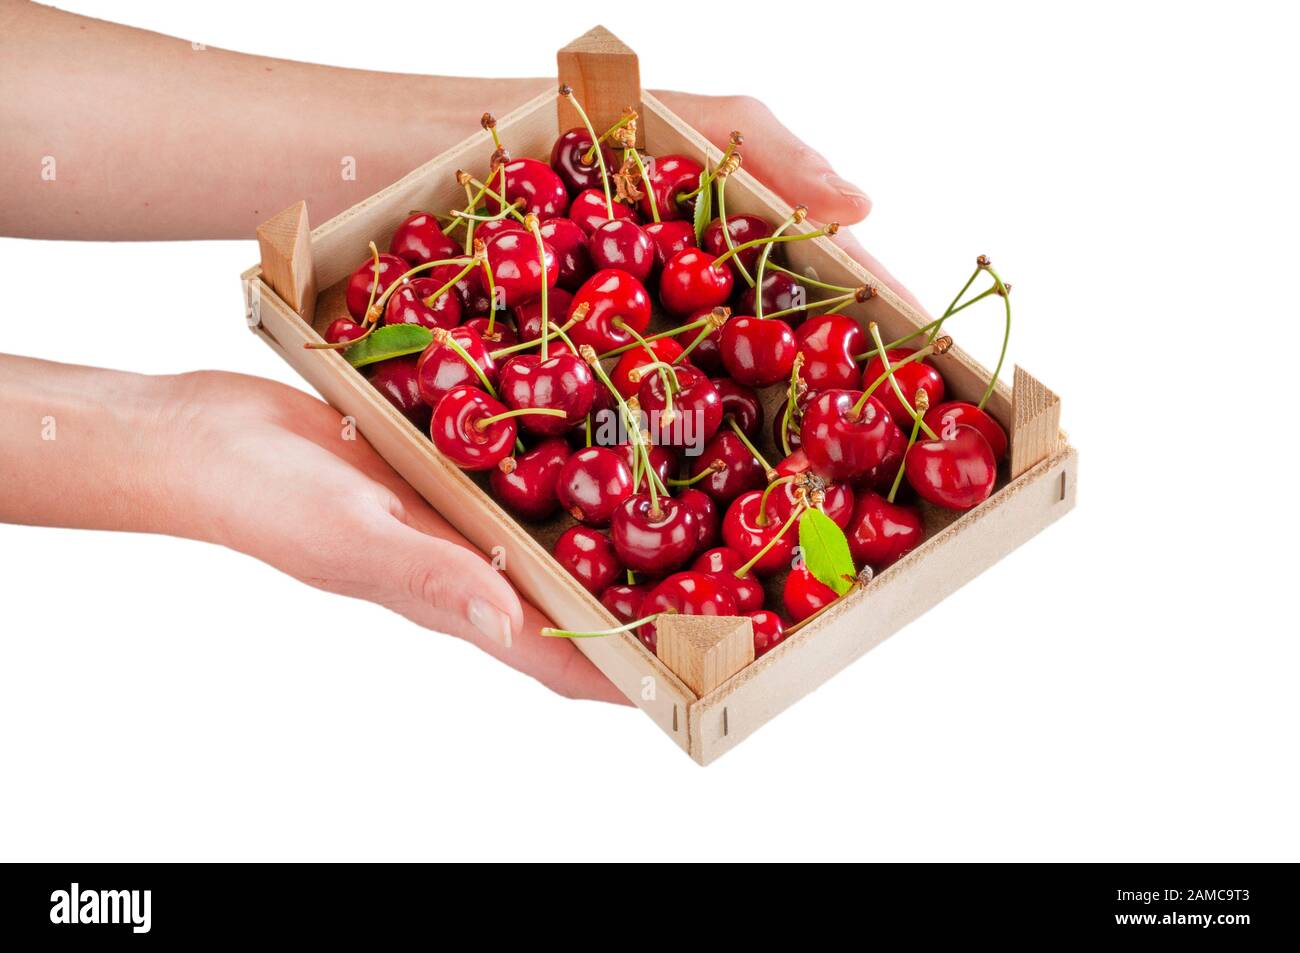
(392,340)
(703,209)
(826,551)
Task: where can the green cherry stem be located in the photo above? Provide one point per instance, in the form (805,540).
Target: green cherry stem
(938,347)
(715,319)
(704,474)
(1005,291)
(646,339)
(777,238)
(922,402)
(531,223)
(762,502)
(797,512)
(723,175)
(645,180)
(628,116)
(735,427)
(631,420)
(874,330)
(792,398)
(566,92)
(804,279)
(484,422)
(557,331)
(567,634)
(442,337)
(735,141)
(509,208)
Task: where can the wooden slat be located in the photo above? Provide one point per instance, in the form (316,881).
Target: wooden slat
(704,651)
(605,77)
(1035,422)
(287,263)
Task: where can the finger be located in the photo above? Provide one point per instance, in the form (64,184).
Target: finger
(776,156)
(558,664)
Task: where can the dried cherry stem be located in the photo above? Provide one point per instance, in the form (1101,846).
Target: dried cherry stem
(861,581)
(443,337)
(735,427)
(489,122)
(558,331)
(715,320)
(629,115)
(921,400)
(646,339)
(712,468)
(874,330)
(566,92)
(825,286)
(733,143)
(722,177)
(531,223)
(484,422)
(597,633)
(794,516)
(762,502)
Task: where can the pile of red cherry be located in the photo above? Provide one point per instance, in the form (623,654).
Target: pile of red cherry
(538,297)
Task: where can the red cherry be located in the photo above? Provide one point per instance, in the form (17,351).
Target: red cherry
(610,294)
(397,380)
(502,334)
(343,329)
(536,183)
(419,239)
(624,601)
(744,531)
(569,242)
(758,351)
(708,521)
(743,228)
(957,473)
(662,459)
(828,343)
(588,557)
(838,444)
(666,350)
(653,541)
(697,407)
(956,413)
(474,300)
(569,163)
(780,293)
(740,471)
(593,483)
(528,316)
(795,435)
(911,377)
(561,382)
(441,368)
(723,563)
(525,484)
(590,212)
(769,631)
(621,243)
(517,268)
(670,176)
(461,431)
(489,230)
(707,355)
(881,476)
(669,238)
(691,282)
(837,502)
(686,593)
(408,305)
(740,404)
(804,594)
(881,533)
(390,268)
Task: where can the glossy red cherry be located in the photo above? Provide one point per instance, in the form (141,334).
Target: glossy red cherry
(343,329)
(610,294)
(561,382)
(500,334)
(488,230)
(462,432)
(528,316)
(769,631)
(662,459)
(708,521)
(685,593)
(828,343)
(839,444)
(588,557)
(420,239)
(707,355)
(536,183)
(794,435)
(911,377)
(624,600)
(441,368)
(723,563)
(696,407)
(881,533)
(669,238)
(804,594)
(390,268)
(670,176)
(593,483)
(396,379)
(692,282)
(957,473)
(780,293)
(409,305)
(758,351)
(739,472)
(956,413)
(590,212)
(525,485)
(474,300)
(621,243)
(747,532)
(650,540)
(517,268)
(568,160)
(881,476)
(743,228)
(664,349)
(740,404)
(569,242)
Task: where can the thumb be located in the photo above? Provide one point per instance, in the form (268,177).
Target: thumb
(774,154)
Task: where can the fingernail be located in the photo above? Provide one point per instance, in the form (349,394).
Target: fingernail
(847,189)
(491,621)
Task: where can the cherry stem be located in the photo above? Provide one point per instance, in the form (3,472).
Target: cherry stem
(710,174)
(432,299)
(567,634)
(762,503)
(484,422)
(451,342)
(508,208)
(804,279)
(726,230)
(631,578)
(762,260)
(641,455)
(792,398)
(1003,290)
(496,217)
(874,330)
(641,341)
(704,474)
(715,320)
(922,400)
(917,355)
(798,511)
(867,355)
(567,93)
(628,116)
(371,317)
(776,238)
(837,302)
(492,293)
(455,222)
(863,578)
(767,467)
(530,222)
(472,201)
(556,332)
(645,180)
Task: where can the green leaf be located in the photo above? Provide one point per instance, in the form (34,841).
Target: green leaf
(703,208)
(392,340)
(826,551)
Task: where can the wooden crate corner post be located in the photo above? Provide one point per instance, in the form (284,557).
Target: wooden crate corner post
(287,265)
(1035,423)
(704,651)
(605,77)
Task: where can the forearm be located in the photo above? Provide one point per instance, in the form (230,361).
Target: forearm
(109,132)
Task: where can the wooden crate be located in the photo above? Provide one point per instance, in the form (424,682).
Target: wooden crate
(286,310)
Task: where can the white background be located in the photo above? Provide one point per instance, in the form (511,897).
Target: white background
(1122,687)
